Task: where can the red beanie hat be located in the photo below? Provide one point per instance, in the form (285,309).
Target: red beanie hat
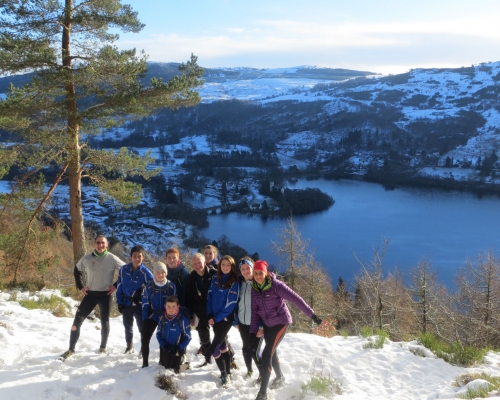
(260,265)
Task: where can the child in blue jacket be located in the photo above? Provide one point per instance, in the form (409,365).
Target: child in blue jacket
(154,297)
(173,334)
(132,278)
(221,304)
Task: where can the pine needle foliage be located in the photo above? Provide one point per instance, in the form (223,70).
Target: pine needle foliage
(79,84)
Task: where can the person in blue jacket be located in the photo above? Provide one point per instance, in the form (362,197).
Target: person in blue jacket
(221,304)
(211,254)
(173,334)
(132,278)
(154,297)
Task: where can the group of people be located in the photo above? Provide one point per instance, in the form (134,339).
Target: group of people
(217,294)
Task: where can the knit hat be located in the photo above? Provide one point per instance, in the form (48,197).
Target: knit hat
(159,266)
(260,265)
(245,261)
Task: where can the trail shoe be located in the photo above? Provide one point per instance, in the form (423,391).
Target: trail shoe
(145,365)
(102,350)
(249,375)
(66,355)
(130,349)
(259,380)
(184,367)
(261,396)
(225,380)
(278,382)
(203,365)
(234,365)
(207,362)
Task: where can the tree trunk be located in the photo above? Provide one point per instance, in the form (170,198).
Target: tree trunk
(73,131)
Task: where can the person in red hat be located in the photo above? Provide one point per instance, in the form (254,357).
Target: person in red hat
(269,297)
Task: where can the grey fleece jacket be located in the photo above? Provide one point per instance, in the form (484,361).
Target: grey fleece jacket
(98,272)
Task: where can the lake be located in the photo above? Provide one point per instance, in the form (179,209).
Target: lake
(445,228)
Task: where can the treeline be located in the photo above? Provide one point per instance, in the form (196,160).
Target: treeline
(467,316)
(137,138)
(224,123)
(234,158)
(405,306)
(171,206)
(297,201)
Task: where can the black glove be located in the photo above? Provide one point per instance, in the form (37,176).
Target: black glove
(120,308)
(180,353)
(174,350)
(316,319)
(137,296)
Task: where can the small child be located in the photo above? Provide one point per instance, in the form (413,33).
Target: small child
(173,334)
(154,297)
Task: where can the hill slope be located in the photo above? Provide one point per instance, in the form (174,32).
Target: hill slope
(33,339)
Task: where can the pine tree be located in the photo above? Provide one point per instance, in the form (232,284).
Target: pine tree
(81,83)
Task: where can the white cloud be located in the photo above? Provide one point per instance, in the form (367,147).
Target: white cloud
(393,44)
(235,30)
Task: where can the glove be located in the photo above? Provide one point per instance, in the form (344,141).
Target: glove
(137,296)
(174,350)
(120,308)
(180,353)
(316,319)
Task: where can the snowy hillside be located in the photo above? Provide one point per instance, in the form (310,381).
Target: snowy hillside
(424,120)
(32,340)
(263,84)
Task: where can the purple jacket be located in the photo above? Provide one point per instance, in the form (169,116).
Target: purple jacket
(270,306)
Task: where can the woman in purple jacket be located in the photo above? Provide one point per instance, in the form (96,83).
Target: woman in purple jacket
(268,304)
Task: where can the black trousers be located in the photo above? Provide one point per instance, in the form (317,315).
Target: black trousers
(149,327)
(92,299)
(169,360)
(270,360)
(203,330)
(249,340)
(220,346)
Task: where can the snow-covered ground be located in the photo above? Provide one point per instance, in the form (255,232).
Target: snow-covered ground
(32,341)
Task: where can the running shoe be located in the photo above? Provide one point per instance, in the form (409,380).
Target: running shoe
(278,382)
(66,355)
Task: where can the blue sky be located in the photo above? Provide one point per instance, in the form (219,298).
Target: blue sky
(385,36)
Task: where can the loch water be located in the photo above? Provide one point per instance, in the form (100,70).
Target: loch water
(446,228)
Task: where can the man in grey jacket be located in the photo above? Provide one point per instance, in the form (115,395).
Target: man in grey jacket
(94,276)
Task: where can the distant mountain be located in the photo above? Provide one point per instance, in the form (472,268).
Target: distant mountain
(348,121)
(168,70)
(342,121)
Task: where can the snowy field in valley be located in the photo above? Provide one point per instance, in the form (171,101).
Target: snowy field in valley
(32,341)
